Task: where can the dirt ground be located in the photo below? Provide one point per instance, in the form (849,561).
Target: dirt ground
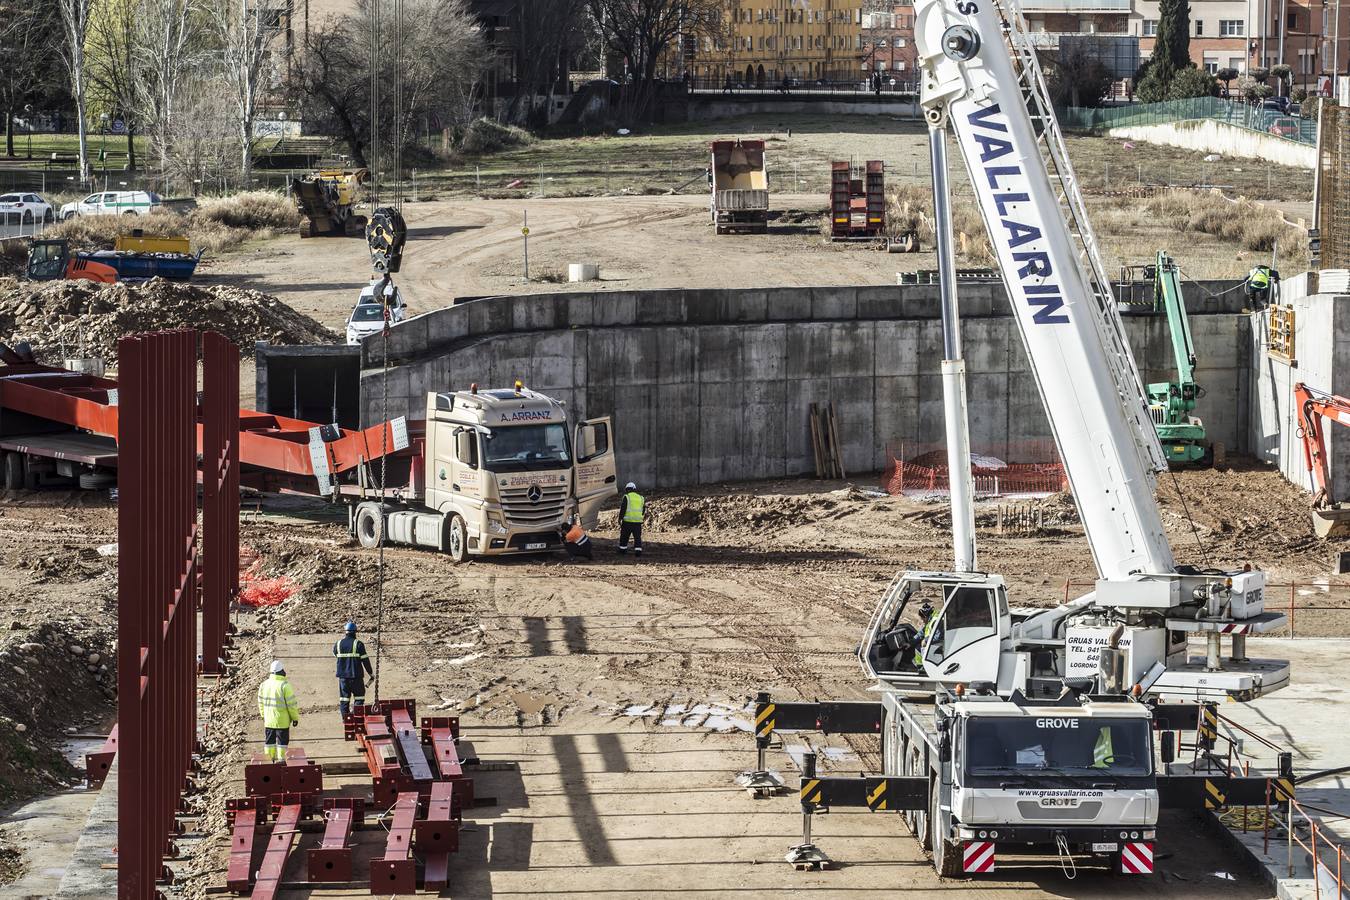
(617,690)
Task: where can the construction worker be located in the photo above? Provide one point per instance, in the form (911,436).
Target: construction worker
(280,713)
(1103,754)
(577,541)
(631,515)
(928,619)
(351,659)
(1259,283)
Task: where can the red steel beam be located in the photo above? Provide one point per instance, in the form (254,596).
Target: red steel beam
(156,597)
(396,872)
(410,744)
(331,861)
(442,732)
(437,836)
(220,494)
(278,849)
(97,764)
(245,815)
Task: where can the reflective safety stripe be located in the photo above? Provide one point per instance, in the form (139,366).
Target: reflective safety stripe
(632,512)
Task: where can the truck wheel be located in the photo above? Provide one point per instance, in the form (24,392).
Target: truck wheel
(456,539)
(369,525)
(16,475)
(946,854)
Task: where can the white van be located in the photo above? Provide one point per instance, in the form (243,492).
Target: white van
(120,203)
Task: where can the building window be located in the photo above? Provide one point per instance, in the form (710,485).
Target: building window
(1150,28)
(1211,68)
(1291,21)
(1231,28)
(1199,27)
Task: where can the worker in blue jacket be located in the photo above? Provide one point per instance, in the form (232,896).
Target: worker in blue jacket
(351,659)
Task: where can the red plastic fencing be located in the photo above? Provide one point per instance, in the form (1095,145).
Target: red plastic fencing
(1028,467)
(156,598)
(220,495)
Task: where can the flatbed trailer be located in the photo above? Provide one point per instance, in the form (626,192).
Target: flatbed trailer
(59,426)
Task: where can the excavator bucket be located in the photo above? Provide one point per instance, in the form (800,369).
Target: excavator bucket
(1333,522)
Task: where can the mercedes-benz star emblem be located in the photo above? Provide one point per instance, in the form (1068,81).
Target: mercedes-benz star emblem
(534,493)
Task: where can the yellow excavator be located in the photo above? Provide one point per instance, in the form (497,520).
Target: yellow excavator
(327,201)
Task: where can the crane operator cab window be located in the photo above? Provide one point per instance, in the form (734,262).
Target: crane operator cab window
(932,624)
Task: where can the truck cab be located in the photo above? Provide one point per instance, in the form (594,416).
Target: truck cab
(503,473)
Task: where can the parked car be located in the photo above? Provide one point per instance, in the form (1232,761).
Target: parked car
(367,316)
(1284,127)
(24,209)
(121,203)
(1276,104)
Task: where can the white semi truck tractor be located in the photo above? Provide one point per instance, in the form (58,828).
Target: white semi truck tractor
(500,471)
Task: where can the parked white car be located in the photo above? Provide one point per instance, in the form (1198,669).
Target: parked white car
(367,316)
(24,209)
(121,203)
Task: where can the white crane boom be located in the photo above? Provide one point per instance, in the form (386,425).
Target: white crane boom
(982,76)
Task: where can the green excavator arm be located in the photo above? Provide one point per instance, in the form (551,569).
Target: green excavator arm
(1172,402)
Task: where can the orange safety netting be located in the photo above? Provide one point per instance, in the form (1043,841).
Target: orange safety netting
(922,468)
(256,590)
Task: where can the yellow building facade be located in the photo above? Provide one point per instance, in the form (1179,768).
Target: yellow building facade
(758,43)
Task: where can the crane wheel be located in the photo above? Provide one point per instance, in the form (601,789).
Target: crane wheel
(16,474)
(947,856)
(369,525)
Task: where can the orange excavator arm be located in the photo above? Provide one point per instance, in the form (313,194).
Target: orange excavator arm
(1313,407)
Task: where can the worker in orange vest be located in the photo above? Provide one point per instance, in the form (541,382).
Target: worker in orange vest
(577,541)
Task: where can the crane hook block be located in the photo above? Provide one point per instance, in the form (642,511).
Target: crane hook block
(386,233)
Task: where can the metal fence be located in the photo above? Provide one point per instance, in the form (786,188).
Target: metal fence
(1231,112)
(1333,189)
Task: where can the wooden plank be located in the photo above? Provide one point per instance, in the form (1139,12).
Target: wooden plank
(838,452)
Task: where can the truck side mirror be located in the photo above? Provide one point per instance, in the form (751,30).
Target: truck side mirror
(1168,751)
(945,747)
(466,447)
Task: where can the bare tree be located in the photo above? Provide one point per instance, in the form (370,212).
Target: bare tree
(444,58)
(169,46)
(642,30)
(75,24)
(111,63)
(244,29)
(27,31)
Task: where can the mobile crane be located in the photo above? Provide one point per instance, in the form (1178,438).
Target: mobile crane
(1032,731)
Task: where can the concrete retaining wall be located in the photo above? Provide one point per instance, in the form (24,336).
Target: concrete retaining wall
(1322,351)
(1209,136)
(702,108)
(708,386)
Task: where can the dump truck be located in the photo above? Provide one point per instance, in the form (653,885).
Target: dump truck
(498,472)
(327,201)
(740,187)
(857,200)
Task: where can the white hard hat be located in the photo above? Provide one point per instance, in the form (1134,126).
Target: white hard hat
(630,486)
(277,667)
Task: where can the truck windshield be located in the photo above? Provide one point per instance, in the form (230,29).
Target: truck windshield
(523,447)
(1061,744)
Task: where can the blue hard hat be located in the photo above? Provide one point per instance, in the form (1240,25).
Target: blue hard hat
(350,628)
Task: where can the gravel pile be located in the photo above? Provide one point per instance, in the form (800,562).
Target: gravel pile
(81,317)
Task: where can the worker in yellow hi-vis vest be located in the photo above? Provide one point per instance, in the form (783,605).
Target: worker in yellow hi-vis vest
(279,710)
(632,512)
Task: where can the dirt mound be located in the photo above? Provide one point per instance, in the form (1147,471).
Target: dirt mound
(58,676)
(749,513)
(65,317)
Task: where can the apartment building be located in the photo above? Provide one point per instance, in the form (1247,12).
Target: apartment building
(888,43)
(761,42)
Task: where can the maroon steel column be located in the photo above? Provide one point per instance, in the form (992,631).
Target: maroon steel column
(220,494)
(157,576)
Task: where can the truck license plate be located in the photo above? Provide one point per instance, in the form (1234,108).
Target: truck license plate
(1105,848)
(539,546)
